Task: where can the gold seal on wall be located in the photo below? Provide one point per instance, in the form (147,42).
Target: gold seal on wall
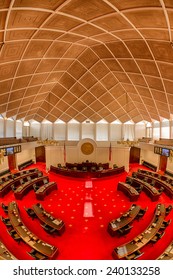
(87,148)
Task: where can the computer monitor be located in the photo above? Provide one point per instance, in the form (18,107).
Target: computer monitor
(165,152)
(10,151)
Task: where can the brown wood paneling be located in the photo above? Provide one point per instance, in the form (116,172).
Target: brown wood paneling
(163,163)
(11,162)
(135,155)
(40,154)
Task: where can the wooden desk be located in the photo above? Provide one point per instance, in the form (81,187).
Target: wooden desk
(27,171)
(48,219)
(128,190)
(124,220)
(45,190)
(159,182)
(167,254)
(5,254)
(87,174)
(143,238)
(6,186)
(25,188)
(27,236)
(151,191)
(6,177)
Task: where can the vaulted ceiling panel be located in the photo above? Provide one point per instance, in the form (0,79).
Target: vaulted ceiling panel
(99,59)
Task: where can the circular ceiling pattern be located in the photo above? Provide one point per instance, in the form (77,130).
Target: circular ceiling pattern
(84,60)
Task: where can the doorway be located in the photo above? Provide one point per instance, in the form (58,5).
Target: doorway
(12,162)
(135,155)
(40,154)
(163,163)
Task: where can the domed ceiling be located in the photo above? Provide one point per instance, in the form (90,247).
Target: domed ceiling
(86,59)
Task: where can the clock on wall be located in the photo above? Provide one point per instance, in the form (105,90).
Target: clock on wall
(87,148)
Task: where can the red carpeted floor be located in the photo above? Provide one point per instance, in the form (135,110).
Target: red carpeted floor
(86,236)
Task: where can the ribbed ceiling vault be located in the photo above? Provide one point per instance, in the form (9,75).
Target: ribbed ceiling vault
(86,59)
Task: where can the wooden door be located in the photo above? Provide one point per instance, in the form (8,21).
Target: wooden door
(11,162)
(40,154)
(163,163)
(135,155)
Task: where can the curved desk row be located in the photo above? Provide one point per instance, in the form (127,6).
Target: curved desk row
(156,175)
(5,254)
(167,254)
(151,191)
(46,218)
(143,238)
(87,174)
(26,187)
(128,190)
(16,181)
(9,176)
(124,220)
(27,236)
(45,190)
(159,182)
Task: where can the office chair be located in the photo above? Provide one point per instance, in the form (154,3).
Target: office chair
(141,213)
(48,228)
(13,188)
(157,237)
(31,213)
(15,235)
(152,183)
(168,209)
(124,230)
(134,255)
(37,255)
(165,224)
(4,207)
(6,221)
(35,187)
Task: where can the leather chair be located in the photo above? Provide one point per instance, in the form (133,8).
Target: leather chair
(15,235)
(37,255)
(4,207)
(49,229)
(124,230)
(134,255)
(168,209)
(6,221)
(31,213)
(141,213)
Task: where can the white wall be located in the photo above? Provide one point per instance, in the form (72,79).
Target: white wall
(115,132)
(4,165)
(19,126)
(147,154)
(55,154)
(1,128)
(28,152)
(140,130)
(9,128)
(35,129)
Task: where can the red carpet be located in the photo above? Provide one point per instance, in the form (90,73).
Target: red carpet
(86,238)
